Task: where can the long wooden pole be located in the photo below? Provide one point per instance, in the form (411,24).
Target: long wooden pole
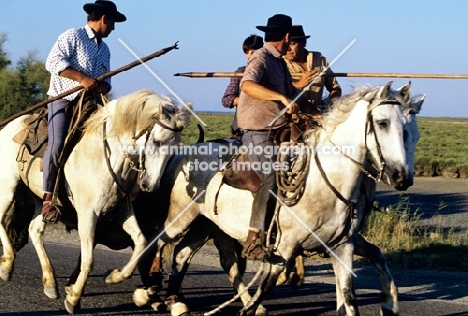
(100,78)
(335,74)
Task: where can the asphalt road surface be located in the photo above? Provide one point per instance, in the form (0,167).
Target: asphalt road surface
(206,285)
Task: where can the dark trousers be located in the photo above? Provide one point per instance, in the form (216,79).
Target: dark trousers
(261,139)
(57,131)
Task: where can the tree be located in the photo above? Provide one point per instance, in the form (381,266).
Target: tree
(21,86)
(4,61)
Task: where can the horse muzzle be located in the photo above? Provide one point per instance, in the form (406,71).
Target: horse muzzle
(401,180)
(146,187)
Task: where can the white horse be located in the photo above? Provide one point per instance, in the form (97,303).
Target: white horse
(369,120)
(202,229)
(117,155)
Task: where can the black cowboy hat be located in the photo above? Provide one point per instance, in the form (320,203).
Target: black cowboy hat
(278,23)
(106,7)
(297,33)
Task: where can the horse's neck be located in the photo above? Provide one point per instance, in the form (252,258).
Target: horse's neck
(112,148)
(341,152)
(350,135)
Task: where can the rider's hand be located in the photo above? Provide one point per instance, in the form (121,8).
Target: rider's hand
(306,78)
(293,109)
(89,83)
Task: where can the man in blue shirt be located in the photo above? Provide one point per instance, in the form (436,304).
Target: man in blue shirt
(77,58)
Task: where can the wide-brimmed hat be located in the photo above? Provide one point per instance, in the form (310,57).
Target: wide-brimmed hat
(297,33)
(278,23)
(106,7)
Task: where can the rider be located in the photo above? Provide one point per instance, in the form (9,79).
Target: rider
(231,95)
(266,89)
(298,59)
(77,58)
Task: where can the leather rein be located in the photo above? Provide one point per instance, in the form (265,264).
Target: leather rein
(369,129)
(141,161)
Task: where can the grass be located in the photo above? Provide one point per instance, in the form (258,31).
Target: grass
(441,150)
(218,126)
(410,243)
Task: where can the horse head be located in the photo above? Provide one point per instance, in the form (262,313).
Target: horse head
(162,138)
(410,136)
(385,135)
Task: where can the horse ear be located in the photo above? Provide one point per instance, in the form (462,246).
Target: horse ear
(415,104)
(405,92)
(383,93)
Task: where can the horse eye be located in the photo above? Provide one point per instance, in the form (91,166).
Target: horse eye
(157,144)
(382,123)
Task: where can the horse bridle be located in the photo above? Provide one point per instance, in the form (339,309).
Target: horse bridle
(369,129)
(156,120)
(146,131)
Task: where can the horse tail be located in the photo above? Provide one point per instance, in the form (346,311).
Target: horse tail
(201,135)
(19,217)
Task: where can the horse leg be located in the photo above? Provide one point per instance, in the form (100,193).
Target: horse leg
(72,278)
(182,254)
(389,294)
(130,225)
(345,298)
(86,231)
(36,232)
(234,265)
(8,257)
(296,276)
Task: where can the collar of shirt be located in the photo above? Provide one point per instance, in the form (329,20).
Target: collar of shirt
(272,50)
(90,33)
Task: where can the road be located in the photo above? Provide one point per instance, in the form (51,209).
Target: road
(206,286)
(446,197)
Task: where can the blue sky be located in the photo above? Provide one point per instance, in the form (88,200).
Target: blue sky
(392,36)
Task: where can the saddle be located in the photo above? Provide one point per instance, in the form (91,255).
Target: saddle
(34,139)
(34,135)
(245,178)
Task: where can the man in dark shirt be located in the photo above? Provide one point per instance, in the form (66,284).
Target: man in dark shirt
(266,90)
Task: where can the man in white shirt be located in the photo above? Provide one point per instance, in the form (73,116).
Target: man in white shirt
(77,58)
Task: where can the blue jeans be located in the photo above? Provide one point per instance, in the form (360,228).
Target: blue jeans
(261,198)
(57,131)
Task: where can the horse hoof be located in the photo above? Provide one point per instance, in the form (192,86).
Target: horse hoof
(261,311)
(296,281)
(140,297)
(4,274)
(159,307)
(388,312)
(51,292)
(179,309)
(114,277)
(71,309)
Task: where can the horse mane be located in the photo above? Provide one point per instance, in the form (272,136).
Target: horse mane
(131,113)
(340,109)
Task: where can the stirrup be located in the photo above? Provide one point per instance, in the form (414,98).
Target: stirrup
(50,213)
(254,251)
